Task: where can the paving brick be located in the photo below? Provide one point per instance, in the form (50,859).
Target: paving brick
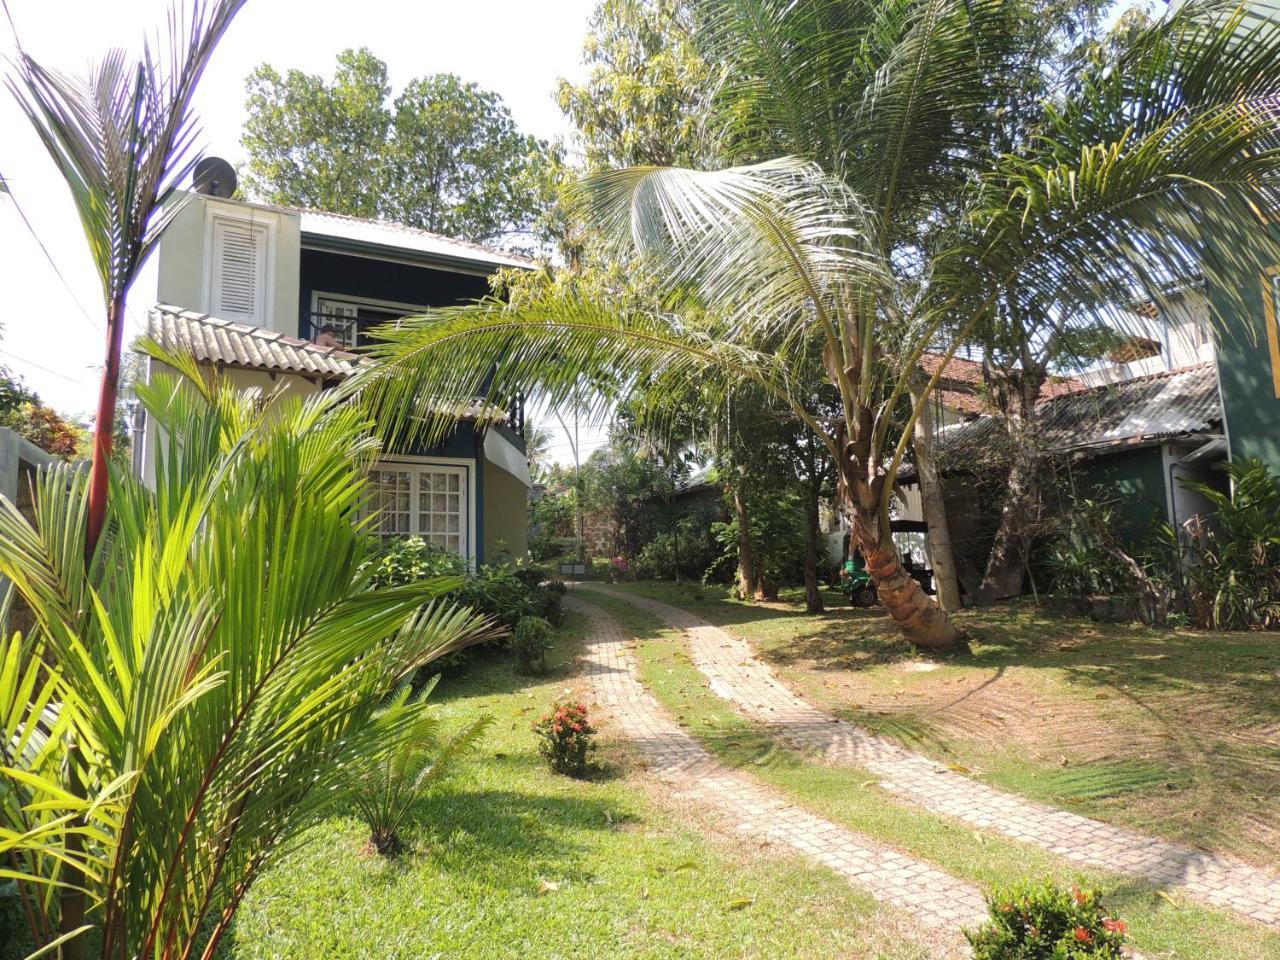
(734,674)
(934,898)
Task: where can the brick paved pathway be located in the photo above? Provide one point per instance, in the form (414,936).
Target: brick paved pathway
(734,674)
(935,899)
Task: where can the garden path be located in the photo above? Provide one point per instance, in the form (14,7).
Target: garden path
(935,899)
(735,674)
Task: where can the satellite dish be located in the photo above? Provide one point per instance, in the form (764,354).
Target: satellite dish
(214,177)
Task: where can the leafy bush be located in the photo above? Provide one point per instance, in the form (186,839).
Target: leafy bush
(567,739)
(530,641)
(697,551)
(1220,572)
(506,593)
(405,560)
(386,785)
(1044,922)
(1231,562)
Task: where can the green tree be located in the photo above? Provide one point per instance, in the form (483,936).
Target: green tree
(189,702)
(889,109)
(444,155)
(648,88)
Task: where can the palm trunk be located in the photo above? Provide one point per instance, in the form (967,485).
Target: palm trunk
(104,427)
(746,559)
(812,594)
(935,511)
(922,622)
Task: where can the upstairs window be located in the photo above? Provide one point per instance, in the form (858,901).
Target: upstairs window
(239,275)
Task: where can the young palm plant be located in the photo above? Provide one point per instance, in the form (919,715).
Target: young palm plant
(916,224)
(386,786)
(122,139)
(187,702)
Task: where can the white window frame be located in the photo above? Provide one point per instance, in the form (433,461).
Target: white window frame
(346,299)
(418,465)
(266,305)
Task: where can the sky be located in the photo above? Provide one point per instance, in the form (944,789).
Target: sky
(51,332)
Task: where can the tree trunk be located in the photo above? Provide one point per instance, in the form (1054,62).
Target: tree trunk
(921,620)
(812,593)
(746,560)
(935,511)
(104,428)
(1006,566)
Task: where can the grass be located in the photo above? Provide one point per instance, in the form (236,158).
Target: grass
(512,860)
(1173,731)
(1163,924)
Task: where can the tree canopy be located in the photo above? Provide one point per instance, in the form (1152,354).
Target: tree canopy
(443,155)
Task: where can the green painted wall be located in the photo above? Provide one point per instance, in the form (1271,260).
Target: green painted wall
(1136,479)
(1249,399)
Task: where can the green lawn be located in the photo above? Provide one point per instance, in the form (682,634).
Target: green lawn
(1173,731)
(512,861)
(1164,925)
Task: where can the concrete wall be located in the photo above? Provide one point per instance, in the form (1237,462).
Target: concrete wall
(504,503)
(182,278)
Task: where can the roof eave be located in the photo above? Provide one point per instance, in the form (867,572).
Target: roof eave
(473,266)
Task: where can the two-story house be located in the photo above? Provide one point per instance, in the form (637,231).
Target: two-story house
(283,299)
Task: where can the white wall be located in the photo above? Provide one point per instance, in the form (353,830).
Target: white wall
(182,279)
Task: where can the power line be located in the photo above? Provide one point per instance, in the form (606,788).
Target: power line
(7,191)
(38,366)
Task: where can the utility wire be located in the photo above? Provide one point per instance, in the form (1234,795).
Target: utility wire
(5,189)
(14,356)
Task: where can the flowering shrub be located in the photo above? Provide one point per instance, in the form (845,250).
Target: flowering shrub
(1045,922)
(566,738)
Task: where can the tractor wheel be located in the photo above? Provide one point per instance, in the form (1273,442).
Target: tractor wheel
(866,597)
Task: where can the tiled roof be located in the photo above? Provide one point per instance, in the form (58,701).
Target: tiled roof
(961,384)
(246,347)
(243,345)
(388,233)
(1133,411)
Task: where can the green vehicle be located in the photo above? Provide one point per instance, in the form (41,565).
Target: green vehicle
(856,583)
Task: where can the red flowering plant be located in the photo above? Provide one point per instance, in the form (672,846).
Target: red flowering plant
(1043,921)
(566,738)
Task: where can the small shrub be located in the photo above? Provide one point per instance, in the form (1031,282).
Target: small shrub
(405,560)
(567,739)
(1045,922)
(530,641)
(386,785)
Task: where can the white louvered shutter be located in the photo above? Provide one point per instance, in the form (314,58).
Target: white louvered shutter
(237,288)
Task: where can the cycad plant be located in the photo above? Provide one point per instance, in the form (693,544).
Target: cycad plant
(122,139)
(386,786)
(911,206)
(184,704)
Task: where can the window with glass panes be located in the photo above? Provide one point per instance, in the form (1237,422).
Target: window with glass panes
(422,500)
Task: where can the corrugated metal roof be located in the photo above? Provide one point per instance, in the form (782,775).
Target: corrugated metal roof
(1133,411)
(397,236)
(211,340)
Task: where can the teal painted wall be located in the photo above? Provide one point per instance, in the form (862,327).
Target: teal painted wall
(1133,478)
(1249,399)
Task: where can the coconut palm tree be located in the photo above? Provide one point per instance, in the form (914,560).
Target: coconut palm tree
(183,706)
(910,217)
(123,140)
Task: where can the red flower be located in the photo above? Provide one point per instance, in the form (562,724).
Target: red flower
(1083,935)
(1080,896)
(1115,926)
